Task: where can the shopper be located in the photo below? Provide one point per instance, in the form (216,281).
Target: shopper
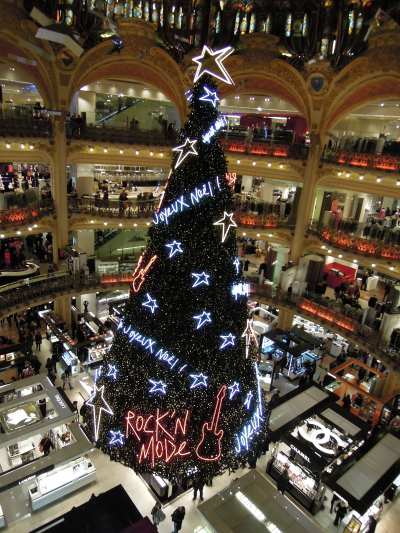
(42,407)
(38,340)
(157,514)
(198,485)
(45,445)
(283,481)
(177,518)
(334,500)
(341,511)
(27,372)
(66,377)
(86,306)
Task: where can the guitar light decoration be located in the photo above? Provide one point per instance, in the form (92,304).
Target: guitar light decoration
(228,340)
(201,279)
(98,405)
(184,152)
(175,247)
(227,223)
(233,390)
(158,386)
(199,380)
(117,438)
(248,399)
(112,372)
(150,303)
(210,431)
(203,318)
(218,56)
(250,336)
(140,272)
(209,96)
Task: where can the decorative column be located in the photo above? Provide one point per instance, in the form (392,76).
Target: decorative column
(59,179)
(62,308)
(307,196)
(285,318)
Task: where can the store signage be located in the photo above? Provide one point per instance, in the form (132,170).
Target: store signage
(60,401)
(163,436)
(187,201)
(299,452)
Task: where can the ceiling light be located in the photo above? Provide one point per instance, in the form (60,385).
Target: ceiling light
(135,225)
(29,229)
(339,173)
(251,508)
(382,104)
(8,146)
(121,151)
(238,161)
(270,235)
(269,165)
(281,166)
(378,180)
(161,154)
(254,163)
(329,251)
(340,256)
(323,247)
(391,268)
(31,146)
(105,223)
(398,183)
(137,152)
(120,225)
(151,153)
(105,150)
(18,233)
(259,108)
(373,265)
(355,261)
(92,221)
(244,234)
(348,175)
(258,234)
(22,146)
(361,177)
(91,149)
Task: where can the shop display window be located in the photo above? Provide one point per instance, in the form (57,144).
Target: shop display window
(21,416)
(299,477)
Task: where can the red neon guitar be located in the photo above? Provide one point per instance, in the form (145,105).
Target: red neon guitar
(209,447)
(140,273)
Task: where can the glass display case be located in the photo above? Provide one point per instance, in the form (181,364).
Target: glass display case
(299,477)
(61,481)
(21,416)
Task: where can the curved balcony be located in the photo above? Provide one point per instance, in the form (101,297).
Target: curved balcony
(40,289)
(232,143)
(25,126)
(111,134)
(21,216)
(372,239)
(251,213)
(364,161)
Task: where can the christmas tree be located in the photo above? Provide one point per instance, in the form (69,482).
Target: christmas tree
(178,392)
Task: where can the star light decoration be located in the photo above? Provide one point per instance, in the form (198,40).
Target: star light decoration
(248,399)
(175,247)
(250,335)
(158,386)
(98,405)
(218,57)
(184,152)
(202,319)
(117,438)
(228,340)
(233,389)
(209,96)
(201,279)
(150,303)
(227,223)
(199,380)
(112,371)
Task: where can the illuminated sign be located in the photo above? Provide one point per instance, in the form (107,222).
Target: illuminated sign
(186,201)
(214,129)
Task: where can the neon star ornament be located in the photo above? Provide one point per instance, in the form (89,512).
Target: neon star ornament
(98,405)
(112,371)
(233,390)
(175,247)
(218,56)
(227,223)
(209,96)
(202,318)
(184,151)
(248,399)
(157,386)
(150,303)
(201,279)
(198,380)
(117,438)
(250,335)
(227,340)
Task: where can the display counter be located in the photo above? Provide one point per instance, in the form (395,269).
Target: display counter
(60,481)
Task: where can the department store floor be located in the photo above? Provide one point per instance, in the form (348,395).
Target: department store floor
(111,474)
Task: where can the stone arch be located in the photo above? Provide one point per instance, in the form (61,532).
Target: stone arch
(151,65)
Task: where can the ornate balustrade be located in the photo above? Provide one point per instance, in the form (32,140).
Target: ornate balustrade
(364,161)
(20,216)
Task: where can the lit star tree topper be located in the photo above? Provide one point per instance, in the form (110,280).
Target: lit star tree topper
(217,58)
(182,381)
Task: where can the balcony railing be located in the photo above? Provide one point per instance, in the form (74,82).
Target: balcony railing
(120,135)
(232,143)
(364,161)
(20,216)
(370,240)
(251,213)
(26,126)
